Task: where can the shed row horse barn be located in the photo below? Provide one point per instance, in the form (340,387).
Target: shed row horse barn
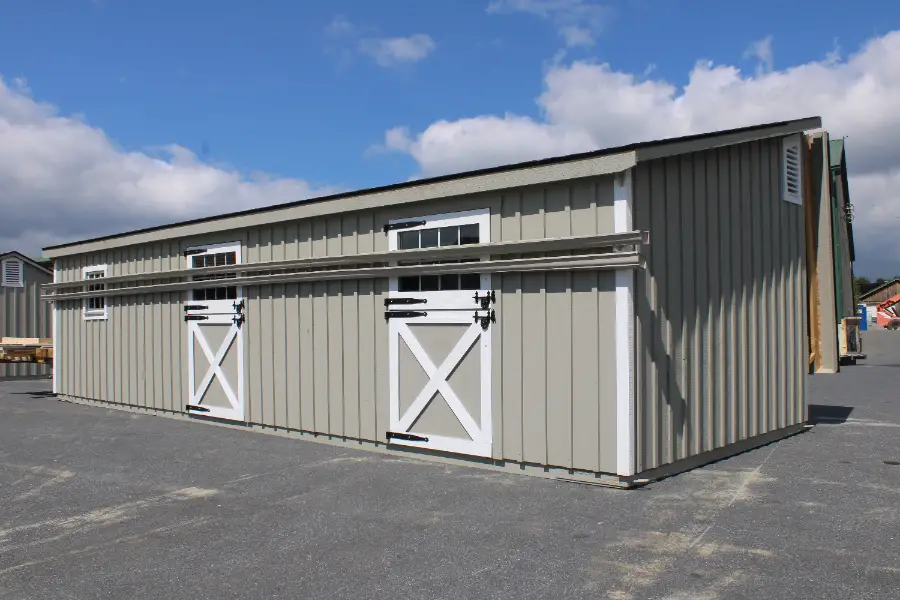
(608,316)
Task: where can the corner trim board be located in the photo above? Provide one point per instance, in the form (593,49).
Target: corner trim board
(55,334)
(625,425)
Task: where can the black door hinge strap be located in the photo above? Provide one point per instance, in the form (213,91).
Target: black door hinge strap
(403,225)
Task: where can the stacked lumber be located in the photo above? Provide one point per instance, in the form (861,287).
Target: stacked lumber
(26,350)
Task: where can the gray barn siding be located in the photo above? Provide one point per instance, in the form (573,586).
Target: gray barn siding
(315,352)
(719,315)
(24,314)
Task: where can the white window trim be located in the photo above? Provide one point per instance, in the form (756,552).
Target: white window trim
(215,306)
(94,315)
(793,141)
(451,298)
(15,284)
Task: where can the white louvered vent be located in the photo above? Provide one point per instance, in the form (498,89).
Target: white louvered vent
(12,273)
(791,170)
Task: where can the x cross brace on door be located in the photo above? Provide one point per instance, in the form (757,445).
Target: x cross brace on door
(215,365)
(437,380)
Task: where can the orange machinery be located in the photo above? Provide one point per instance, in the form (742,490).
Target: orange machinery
(887,313)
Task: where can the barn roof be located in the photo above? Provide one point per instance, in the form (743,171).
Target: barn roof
(585,164)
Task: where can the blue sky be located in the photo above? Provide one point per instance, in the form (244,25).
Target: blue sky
(296,90)
(257,86)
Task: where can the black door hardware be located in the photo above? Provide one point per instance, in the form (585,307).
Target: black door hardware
(410,437)
(389,301)
(403,225)
(238,306)
(195,318)
(188,307)
(238,320)
(486,319)
(486,300)
(403,314)
(195,408)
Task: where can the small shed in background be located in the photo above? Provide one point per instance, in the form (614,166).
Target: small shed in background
(881,293)
(22,312)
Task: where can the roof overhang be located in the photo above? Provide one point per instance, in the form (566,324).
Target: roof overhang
(604,162)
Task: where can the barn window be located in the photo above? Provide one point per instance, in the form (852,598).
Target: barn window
(214,259)
(791,170)
(439,237)
(94,306)
(439,231)
(13,273)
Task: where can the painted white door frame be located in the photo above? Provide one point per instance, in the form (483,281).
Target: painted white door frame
(216,312)
(437,308)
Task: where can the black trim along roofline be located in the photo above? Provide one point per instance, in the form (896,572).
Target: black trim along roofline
(439,179)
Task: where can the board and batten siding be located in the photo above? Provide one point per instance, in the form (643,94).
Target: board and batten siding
(316,352)
(720,327)
(24,314)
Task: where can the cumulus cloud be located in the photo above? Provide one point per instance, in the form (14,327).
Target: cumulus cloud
(577,21)
(586,105)
(62,179)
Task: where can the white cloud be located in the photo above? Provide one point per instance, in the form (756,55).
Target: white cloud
(62,179)
(586,105)
(577,21)
(339,26)
(577,36)
(390,52)
(344,39)
(761,50)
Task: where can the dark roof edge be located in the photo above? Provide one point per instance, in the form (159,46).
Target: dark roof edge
(30,261)
(443,178)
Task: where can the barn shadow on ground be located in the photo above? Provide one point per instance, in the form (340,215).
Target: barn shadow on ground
(822,413)
(34,394)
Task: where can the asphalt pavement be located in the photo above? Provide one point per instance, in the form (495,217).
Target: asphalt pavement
(101,503)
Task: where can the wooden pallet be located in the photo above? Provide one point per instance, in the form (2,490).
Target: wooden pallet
(26,350)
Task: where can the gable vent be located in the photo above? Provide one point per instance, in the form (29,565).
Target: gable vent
(791,170)
(12,273)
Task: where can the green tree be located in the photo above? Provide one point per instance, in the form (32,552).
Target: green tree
(860,286)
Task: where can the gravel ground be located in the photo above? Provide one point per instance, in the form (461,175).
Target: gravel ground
(100,503)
